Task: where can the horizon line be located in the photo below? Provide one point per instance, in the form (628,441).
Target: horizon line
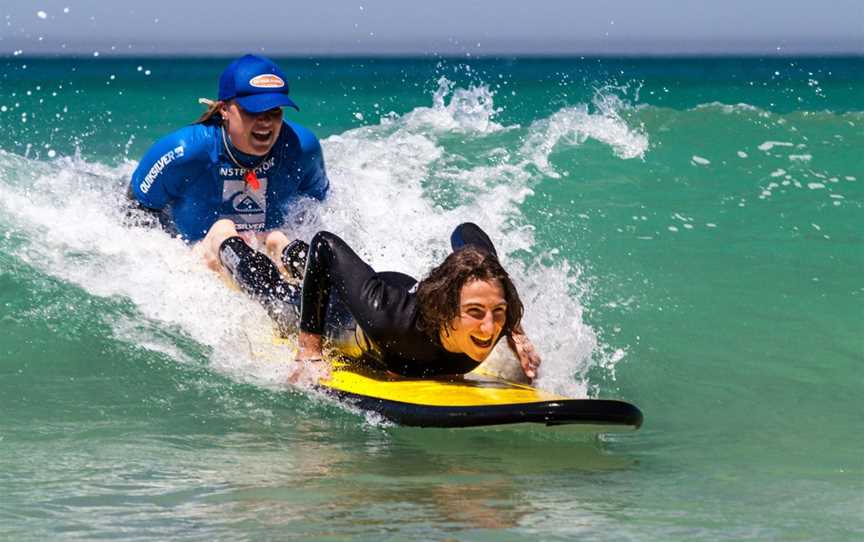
(777,47)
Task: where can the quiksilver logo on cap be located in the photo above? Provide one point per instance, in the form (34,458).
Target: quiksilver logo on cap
(267,80)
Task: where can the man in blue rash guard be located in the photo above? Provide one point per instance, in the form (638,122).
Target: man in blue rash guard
(227,182)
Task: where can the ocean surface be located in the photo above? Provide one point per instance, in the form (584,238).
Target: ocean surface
(687,235)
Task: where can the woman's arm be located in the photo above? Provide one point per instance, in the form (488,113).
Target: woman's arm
(309,369)
(332,268)
(309,346)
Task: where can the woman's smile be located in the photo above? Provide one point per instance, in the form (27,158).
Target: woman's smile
(482,314)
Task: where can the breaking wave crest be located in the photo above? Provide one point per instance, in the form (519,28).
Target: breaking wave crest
(399,187)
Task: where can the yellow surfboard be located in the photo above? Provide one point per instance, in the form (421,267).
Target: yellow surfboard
(472,400)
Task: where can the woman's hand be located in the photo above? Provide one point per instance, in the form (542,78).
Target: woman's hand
(309,367)
(307,373)
(309,346)
(525,352)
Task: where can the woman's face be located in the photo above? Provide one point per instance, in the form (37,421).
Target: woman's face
(482,315)
(251,133)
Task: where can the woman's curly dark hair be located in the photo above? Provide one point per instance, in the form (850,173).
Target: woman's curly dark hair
(438,295)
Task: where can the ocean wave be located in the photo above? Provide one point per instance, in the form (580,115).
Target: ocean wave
(575,125)
(748,109)
(385,179)
(730,108)
(69,216)
(469,110)
(381,202)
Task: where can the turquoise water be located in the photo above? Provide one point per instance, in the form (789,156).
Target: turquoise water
(686,233)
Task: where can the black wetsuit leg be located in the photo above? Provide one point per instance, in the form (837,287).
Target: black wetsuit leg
(294,258)
(332,268)
(469,233)
(258,276)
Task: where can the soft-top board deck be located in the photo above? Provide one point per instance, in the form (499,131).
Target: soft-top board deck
(473,400)
(476,399)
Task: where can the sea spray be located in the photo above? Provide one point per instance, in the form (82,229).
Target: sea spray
(575,125)
(133,400)
(378,182)
(380,203)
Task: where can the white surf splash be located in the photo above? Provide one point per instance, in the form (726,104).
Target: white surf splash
(382,206)
(69,211)
(576,125)
(768,145)
(383,202)
(469,110)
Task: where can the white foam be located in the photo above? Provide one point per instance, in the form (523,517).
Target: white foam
(385,181)
(575,125)
(469,110)
(768,145)
(730,108)
(71,212)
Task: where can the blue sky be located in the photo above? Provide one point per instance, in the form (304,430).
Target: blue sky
(438,27)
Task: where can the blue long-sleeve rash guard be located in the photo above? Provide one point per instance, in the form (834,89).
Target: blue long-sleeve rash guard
(189,175)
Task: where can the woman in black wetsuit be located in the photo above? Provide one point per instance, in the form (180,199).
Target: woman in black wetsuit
(447,324)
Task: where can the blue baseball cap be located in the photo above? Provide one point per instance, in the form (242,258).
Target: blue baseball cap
(256,83)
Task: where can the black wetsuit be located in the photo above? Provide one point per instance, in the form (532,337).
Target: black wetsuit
(382,305)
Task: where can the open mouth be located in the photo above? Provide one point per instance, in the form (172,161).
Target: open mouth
(480,343)
(262,137)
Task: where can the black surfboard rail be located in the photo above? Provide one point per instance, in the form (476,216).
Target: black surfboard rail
(613,414)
